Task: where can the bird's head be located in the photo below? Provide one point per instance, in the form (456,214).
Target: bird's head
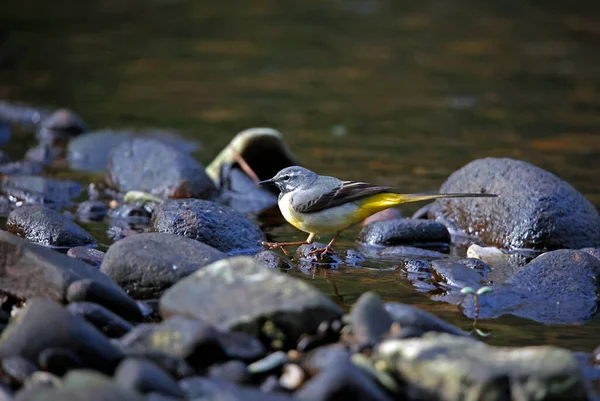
(291,178)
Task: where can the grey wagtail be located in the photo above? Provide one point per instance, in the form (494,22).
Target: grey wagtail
(319,205)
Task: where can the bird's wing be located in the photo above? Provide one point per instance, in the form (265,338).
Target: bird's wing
(329,193)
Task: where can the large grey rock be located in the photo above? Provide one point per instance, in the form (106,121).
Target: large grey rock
(240,294)
(558,287)
(47,227)
(151,166)
(535,210)
(218,226)
(147,264)
(44,324)
(442,366)
(28,271)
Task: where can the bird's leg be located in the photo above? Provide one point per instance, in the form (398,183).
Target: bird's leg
(328,247)
(282,245)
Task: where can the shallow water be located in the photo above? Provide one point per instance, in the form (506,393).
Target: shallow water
(384,91)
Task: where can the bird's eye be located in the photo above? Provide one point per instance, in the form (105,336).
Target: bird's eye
(286,178)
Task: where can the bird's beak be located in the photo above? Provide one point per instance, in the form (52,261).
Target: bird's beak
(265,182)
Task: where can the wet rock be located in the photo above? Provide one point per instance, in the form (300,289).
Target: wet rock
(455,274)
(447,367)
(91,256)
(384,215)
(489,254)
(403,252)
(417,321)
(595,252)
(51,192)
(535,210)
(151,166)
(22,167)
(218,226)
(308,259)
(213,294)
(61,125)
(92,210)
(47,227)
(242,193)
(413,232)
(369,319)
(320,358)
(89,152)
(106,293)
(273,260)
(202,388)
(145,377)
(23,338)
(111,324)
(147,264)
(58,360)
(231,371)
(31,270)
(18,369)
(341,380)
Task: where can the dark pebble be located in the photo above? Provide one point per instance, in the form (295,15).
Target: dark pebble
(60,330)
(307,258)
(456,274)
(273,260)
(91,256)
(218,226)
(145,377)
(151,166)
(147,264)
(369,320)
(176,367)
(58,360)
(111,324)
(414,232)
(320,358)
(111,297)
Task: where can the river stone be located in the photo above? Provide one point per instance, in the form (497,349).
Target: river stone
(369,320)
(535,210)
(273,260)
(34,188)
(442,366)
(111,296)
(91,256)
(416,232)
(89,152)
(456,274)
(47,227)
(151,166)
(147,264)
(240,294)
(111,324)
(145,377)
(218,226)
(418,322)
(44,324)
(29,270)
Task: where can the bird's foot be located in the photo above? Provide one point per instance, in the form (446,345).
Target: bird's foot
(281,245)
(323,251)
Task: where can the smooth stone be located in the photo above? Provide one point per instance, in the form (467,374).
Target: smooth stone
(414,232)
(145,377)
(109,323)
(240,192)
(369,320)
(218,226)
(419,321)
(107,294)
(62,124)
(145,265)
(47,227)
(91,256)
(20,168)
(18,369)
(340,381)
(58,360)
(273,260)
(51,192)
(22,336)
(320,358)
(176,367)
(536,209)
(231,371)
(452,368)
(151,166)
(456,274)
(32,270)
(213,294)
(92,210)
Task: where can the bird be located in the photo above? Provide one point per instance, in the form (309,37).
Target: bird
(320,205)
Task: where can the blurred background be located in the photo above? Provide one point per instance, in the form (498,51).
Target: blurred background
(393,92)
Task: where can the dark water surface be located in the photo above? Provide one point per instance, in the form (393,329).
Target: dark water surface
(401,93)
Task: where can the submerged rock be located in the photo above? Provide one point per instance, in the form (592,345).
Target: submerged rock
(28,335)
(147,264)
(34,189)
(31,270)
(47,227)
(151,166)
(218,226)
(453,368)
(414,232)
(91,256)
(535,210)
(214,293)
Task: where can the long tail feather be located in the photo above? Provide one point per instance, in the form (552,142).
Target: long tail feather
(421,197)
